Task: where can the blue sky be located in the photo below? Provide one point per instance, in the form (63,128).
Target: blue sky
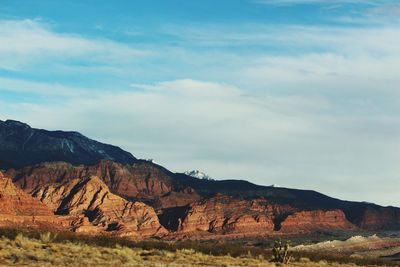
(298,93)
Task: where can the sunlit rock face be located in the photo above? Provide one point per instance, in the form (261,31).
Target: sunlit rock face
(223,214)
(18,209)
(308,221)
(140,181)
(100,210)
(14,201)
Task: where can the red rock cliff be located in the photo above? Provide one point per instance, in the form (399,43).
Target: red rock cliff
(14,201)
(378,218)
(100,210)
(308,221)
(226,215)
(137,181)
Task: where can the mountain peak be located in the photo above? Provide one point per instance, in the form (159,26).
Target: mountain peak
(21,145)
(15,123)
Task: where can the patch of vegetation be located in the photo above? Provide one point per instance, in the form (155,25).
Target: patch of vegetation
(280,252)
(23,247)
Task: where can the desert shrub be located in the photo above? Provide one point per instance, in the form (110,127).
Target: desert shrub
(304,260)
(47,237)
(280,252)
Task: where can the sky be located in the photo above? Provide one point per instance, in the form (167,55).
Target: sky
(296,93)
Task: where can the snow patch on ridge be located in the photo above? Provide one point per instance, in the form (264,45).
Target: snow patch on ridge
(198,174)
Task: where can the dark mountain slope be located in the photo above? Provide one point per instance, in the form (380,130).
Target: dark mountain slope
(21,145)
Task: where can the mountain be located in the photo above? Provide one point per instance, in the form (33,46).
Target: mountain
(140,198)
(176,198)
(21,145)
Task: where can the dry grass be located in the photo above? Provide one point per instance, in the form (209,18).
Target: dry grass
(44,251)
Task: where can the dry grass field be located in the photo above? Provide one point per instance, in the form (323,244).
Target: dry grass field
(43,251)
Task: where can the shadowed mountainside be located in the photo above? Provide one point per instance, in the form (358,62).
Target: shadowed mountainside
(21,145)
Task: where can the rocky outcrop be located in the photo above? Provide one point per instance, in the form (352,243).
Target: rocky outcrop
(375,218)
(223,215)
(20,210)
(309,221)
(98,210)
(181,208)
(14,201)
(141,181)
(226,215)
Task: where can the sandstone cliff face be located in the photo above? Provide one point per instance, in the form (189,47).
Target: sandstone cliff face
(180,208)
(141,181)
(20,210)
(223,215)
(308,221)
(98,210)
(378,218)
(226,215)
(14,201)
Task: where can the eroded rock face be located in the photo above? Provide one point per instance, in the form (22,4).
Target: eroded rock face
(308,221)
(226,215)
(98,210)
(181,209)
(141,181)
(20,210)
(14,201)
(378,218)
(223,215)
(163,190)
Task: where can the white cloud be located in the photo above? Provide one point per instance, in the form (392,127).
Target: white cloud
(42,89)
(27,42)
(298,39)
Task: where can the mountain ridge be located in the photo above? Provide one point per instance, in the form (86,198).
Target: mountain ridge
(186,206)
(21,145)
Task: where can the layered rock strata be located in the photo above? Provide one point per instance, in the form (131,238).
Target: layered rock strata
(15,202)
(226,215)
(141,181)
(98,210)
(308,221)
